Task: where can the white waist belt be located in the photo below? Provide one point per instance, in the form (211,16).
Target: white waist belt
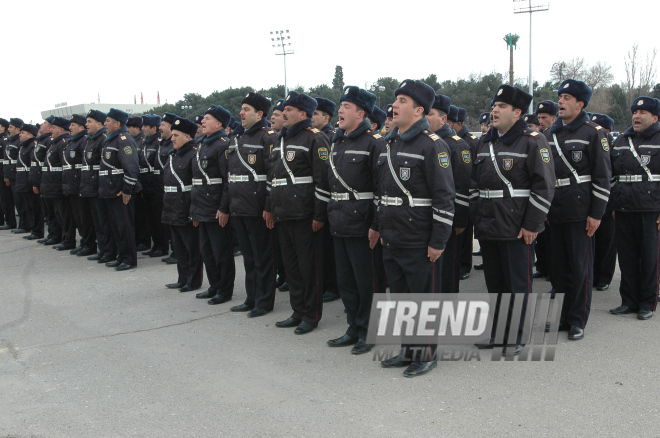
(2,161)
(393,201)
(67,167)
(95,167)
(200,181)
(111,172)
(22,169)
(156,172)
(296,180)
(490,194)
(52,169)
(244,178)
(347,196)
(636,178)
(567,181)
(174,189)
(144,170)
(10,161)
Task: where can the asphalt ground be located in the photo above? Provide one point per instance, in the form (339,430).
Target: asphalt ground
(86,351)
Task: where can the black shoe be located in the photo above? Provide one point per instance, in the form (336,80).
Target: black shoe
(104,260)
(74,251)
(464,275)
(361,347)
(287,323)
(303,328)
(169,260)
(64,247)
(575,333)
(622,310)
(479,267)
(205,295)
(486,345)
(148,253)
(94,257)
(562,328)
(243,308)
(255,313)
(19,231)
(113,264)
(538,274)
(280,281)
(49,242)
(284,287)
(329,296)
(602,286)
(85,252)
(6,227)
(142,247)
(157,253)
(218,299)
(396,362)
(31,237)
(174,285)
(42,241)
(512,350)
(343,341)
(477,252)
(419,368)
(187,288)
(125,267)
(644,314)
(238,253)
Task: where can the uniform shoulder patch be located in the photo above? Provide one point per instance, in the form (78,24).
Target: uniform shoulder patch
(323,153)
(443,159)
(377,136)
(432,135)
(593,125)
(604,143)
(530,133)
(467,157)
(314,130)
(128,150)
(271,132)
(472,137)
(123,137)
(545,155)
(456,137)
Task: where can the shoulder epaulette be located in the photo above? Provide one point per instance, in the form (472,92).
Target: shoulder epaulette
(456,137)
(377,136)
(596,126)
(472,137)
(432,135)
(530,133)
(314,130)
(123,137)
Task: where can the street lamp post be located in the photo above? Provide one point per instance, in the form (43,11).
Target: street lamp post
(283,45)
(529,9)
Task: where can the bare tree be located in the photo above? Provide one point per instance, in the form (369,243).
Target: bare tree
(573,69)
(640,75)
(600,101)
(599,75)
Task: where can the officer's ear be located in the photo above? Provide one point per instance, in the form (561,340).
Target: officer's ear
(655,119)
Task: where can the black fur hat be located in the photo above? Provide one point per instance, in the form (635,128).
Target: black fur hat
(603,120)
(95,115)
(78,119)
(16,122)
(134,122)
(645,103)
(326,105)
(484,118)
(360,97)
(4,123)
(462,114)
(61,122)
(301,101)
(186,126)
(577,89)
(169,118)
(452,115)
(279,105)
(378,117)
(257,101)
(531,118)
(118,115)
(547,107)
(422,93)
(442,103)
(151,120)
(514,96)
(388,110)
(199,118)
(50,119)
(220,114)
(30,128)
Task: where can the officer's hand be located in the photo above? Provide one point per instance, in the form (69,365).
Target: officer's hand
(527,236)
(316,226)
(35,190)
(195,223)
(124,197)
(592,226)
(6,182)
(268,217)
(434,254)
(373,238)
(222,218)
(458,230)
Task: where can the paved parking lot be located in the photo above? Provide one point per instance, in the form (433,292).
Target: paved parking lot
(90,352)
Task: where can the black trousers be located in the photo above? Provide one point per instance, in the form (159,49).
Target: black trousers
(466,248)
(218,258)
(256,245)
(638,246)
(142,231)
(123,230)
(358,280)
(185,241)
(409,270)
(7,204)
(451,263)
(157,230)
(573,270)
(54,227)
(605,250)
(508,270)
(65,219)
(302,254)
(82,217)
(34,215)
(277,255)
(19,201)
(544,252)
(101,219)
(329,268)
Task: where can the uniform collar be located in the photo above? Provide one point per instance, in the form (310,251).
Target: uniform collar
(63,137)
(216,135)
(185,148)
(463,132)
(300,126)
(509,136)
(113,134)
(445,131)
(79,135)
(417,127)
(648,132)
(580,120)
(363,127)
(97,134)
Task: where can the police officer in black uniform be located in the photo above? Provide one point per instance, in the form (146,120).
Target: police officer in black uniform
(142,236)
(51,183)
(89,187)
(389,121)
(605,252)
(352,213)
(162,160)
(209,169)
(244,200)
(40,150)
(298,203)
(636,203)
(581,155)
(532,121)
(514,172)
(177,184)
(11,146)
(33,217)
(6,198)
(118,183)
(416,209)
(452,117)
(484,122)
(377,119)
(461,166)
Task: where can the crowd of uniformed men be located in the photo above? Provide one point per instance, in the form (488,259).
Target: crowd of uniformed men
(342,211)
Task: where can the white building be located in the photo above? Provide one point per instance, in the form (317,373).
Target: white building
(67,111)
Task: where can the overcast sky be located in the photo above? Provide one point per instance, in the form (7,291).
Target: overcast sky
(72,51)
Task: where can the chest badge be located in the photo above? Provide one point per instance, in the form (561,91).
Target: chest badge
(443,159)
(290,155)
(72,154)
(89,155)
(108,154)
(577,156)
(645,159)
(466,157)
(404,173)
(204,163)
(545,155)
(252,158)
(507,163)
(323,153)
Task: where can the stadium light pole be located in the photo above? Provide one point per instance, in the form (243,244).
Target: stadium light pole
(283,45)
(530,9)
